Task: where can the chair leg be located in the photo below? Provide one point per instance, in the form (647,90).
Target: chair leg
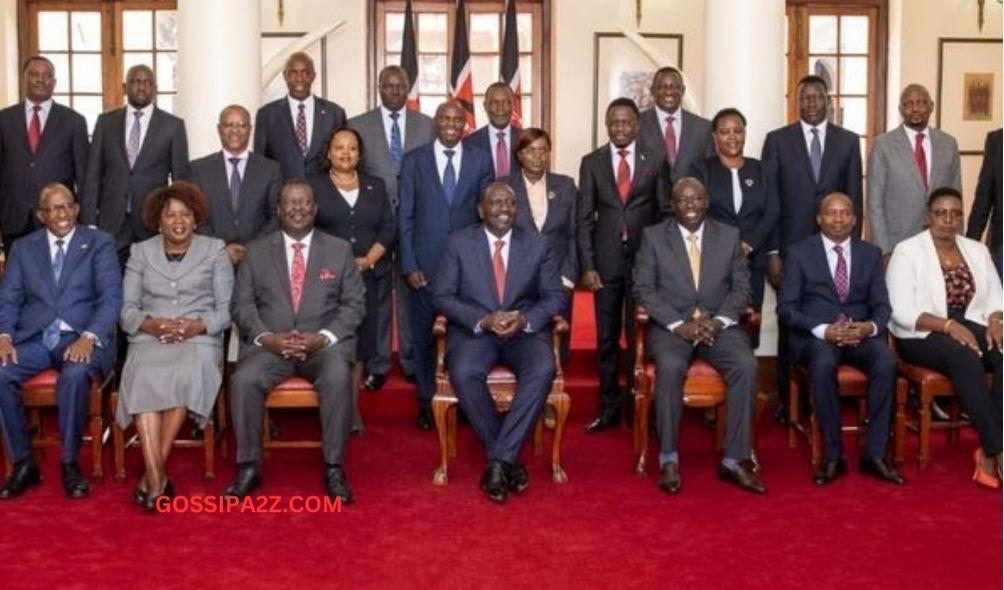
(440,409)
(862,421)
(221,420)
(793,412)
(899,423)
(538,436)
(208,447)
(955,415)
(562,405)
(642,404)
(924,456)
(97,471)
(817,441)
(720,427)
(118,450)
(451,428)
(266,435)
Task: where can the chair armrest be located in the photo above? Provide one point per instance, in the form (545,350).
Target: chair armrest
(560,325)
(439,327)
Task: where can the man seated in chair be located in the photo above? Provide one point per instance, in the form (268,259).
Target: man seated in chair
(298,300)
(690,274)
(59,305)
(833,298)
(500,287)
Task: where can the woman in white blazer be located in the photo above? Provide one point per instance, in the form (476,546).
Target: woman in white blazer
(950,321)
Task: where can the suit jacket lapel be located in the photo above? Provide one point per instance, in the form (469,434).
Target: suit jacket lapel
(607,170)
(906,157)
(516,249)
(650,129)
(822,262)
(464,173)
(282,267)
(679,249)
(708,237)
(553,202)
(484,252)
(642,161)
(410,132)
(524,214)
(314,263)
(21,124)
(156,120)
(800,148)
(119,125)
(857,267)
(321,114)
(829,148)
(43,261)
(74,252)
(52,123)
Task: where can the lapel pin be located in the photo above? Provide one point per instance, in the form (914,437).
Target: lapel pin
(550,195)
(749,182)
(83,246)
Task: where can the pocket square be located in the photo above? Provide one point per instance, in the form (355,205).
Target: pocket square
(327,275)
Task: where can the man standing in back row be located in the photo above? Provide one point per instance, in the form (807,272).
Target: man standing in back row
(671,132)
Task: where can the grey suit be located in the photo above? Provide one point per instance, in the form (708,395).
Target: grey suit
(664,285)
(695,142)
(332,300)
(255,213)
(897,198)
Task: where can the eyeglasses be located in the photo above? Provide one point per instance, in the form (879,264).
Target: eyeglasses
(57,208)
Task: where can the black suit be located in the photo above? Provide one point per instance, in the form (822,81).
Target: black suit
(609,232)
(275,136)
(61,156)
(987,206)
(255,213)
(693,145)
(482,141)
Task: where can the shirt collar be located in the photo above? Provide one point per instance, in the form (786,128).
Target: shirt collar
(290,241)
(663,114)
(807,129)
(829,244)
(45,104)
(66,239)
(308,102)
(242,155)
(629,147)
(687,233)
(457,149)
(495,130)
(492,238)
(529,182)
(387,112)
(145,110)
(912,135)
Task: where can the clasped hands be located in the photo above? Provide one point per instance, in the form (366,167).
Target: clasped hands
(700,330)
(848,333)
(294,345)
(172,330)
(504,324)
(80,351)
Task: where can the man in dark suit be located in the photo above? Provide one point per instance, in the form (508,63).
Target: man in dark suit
(987,206)
(294,130)
(498,138)
(623,189)
(298,300)
(692,278)
(439,189)
(671,132)
(502,316)
(40,142)
(59,305)
(242,188)
(136,149)
(833,298)
(389,132)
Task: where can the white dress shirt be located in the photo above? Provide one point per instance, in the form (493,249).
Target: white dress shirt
(677,123)
(807,133)
(506,241)
(144,123)
(911,137)
(53,248)
(685,234)
(831,261)
(351,197)
(493,140)
(308,113)
(43,114)
(440,150)
(388,123)
(241,165)
(615,157)
(737,190)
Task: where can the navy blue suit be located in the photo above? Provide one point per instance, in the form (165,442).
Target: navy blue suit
(425,221)
(464,290)
(480,140)
(275,136)
(808,298)
(88,298)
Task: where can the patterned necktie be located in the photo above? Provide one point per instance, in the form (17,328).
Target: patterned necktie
(396,149)
(35,129)
(132,146)
(921,157)
(449,176)
(670,139)
(498,265)
(301,129)
(50,336)
(694,257)
(501,157)
(235,183)
(840,280)
(297,275)
(816,154)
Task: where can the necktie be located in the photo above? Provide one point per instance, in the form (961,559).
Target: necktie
(235,183)
(694,257)
(501,157)
(623,176)
(396,149)
(670,139)
(35,129)
(816,154)
(840,280)
(132,147)
(921,156)
(50,336)
(499,267)
(301,129)
(297,274)
(449,176)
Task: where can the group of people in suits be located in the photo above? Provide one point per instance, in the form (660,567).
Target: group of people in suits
(305,242)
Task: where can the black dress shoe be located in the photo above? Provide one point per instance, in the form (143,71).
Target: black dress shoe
(781,414)
(518,478)
(669,478)
(425,420)
(248,479)
(410,377)
(24,475)
(374,382)
(74,482)
(880,469)
(830,471)
(335,484)
(606,419)
(743,477)
(494,482)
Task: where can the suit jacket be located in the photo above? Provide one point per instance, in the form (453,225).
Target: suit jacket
(369,222)
(425,218)
(757,216)
(808,296)
(897,198)
(559,225)
(333,296)
(113,188)
(694,144)
(199,286)
(602,214)
(480,140)
(61,157)
(664,284)
(255,214)
(87,297)
(275,136)
(418,131)
(987,206)
(788,173)
(464,288)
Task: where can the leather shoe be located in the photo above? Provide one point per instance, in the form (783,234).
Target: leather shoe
(24,475)
(494,482)
(669,478)
(410,377)
(743,477)
(335,484)
(518,478)
(248,479)
(781,414)
(374,382)
(74,482)
(425,420)
(830,471)
(606,419)
(880,469)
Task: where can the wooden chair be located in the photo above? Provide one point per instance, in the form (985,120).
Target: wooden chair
(930,384)
(293,393)
(39,393)
(703,388)
(502,386)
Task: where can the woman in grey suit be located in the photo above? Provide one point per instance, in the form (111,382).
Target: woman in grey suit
(176,306)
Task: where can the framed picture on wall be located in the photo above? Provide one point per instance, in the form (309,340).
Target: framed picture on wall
(969,101)
(623,68)
(274,43)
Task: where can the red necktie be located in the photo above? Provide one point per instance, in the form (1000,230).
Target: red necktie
(501,157)
(670,139)
(921,157)
(35,129)
(297,275)
(623,176)
(499,267)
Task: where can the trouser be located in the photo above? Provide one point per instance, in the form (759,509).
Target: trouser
(375,330)
(422,314)
(402,296)
(614,314)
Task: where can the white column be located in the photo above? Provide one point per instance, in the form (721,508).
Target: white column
(10,80)
(219,63)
